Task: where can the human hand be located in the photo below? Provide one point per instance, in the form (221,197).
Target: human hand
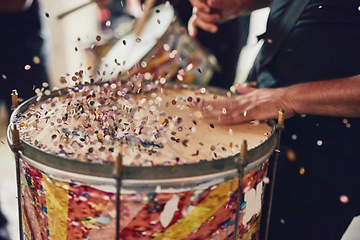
(252,104)
(202,16)
(206,14)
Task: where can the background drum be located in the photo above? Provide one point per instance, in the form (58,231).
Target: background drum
(170,188)
(163,50)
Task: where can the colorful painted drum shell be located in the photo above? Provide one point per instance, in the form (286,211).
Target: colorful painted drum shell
(58,209)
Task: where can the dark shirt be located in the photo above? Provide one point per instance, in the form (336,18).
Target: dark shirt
(322,44)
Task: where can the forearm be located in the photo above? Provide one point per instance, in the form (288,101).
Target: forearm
(7,6)
(337,97)
(250,5)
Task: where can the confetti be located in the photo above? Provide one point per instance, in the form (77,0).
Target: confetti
(36,60)
(63,80)
(290,155)
(101,116)
(266,180)
(344,199)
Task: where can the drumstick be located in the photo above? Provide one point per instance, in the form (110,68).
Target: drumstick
(64,14)
(141,22)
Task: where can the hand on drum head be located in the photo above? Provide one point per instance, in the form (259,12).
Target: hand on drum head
(252,104)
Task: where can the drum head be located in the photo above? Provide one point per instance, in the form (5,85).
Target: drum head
(157,132)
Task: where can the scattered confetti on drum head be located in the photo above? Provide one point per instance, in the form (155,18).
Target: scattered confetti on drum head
(87,123)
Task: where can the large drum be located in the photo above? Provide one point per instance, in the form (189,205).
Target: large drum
(180,171)
(162,50)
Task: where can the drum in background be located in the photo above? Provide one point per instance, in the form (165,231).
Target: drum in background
(163,50)
(180,181)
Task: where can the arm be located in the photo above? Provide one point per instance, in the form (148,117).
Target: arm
(208,13)
(232,8)
(8,6)
(336,97)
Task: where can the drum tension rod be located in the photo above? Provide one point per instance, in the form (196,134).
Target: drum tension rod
(16,147)
(279,128)
(118,172)
(241,163)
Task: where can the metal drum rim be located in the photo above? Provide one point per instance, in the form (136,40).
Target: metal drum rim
(141,172)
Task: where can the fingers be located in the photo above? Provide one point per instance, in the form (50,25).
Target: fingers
(200,5)
(234,118)
(214,3)
(226,114)
(241,89)
(192,29)
(203,20)
(206,26)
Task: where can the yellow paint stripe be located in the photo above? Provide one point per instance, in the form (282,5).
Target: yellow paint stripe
(57,207)
(25,224)
(200,213)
